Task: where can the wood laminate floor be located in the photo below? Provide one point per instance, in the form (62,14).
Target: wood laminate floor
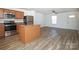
(50,39)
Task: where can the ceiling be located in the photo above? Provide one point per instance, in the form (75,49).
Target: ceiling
(49,10)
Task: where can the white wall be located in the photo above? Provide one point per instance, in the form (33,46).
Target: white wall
(63,21)
(39,18)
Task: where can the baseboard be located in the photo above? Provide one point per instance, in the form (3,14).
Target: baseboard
(64,28)
(58,28)
(78,32)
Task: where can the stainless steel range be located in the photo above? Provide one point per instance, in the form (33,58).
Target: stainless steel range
(10,28)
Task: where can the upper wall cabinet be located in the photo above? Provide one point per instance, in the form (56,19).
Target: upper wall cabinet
(11,13)
(19,15)
(1,13)
(6,11)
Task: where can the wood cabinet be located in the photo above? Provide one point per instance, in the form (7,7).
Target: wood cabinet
(19,15)
(17,28)
(28,33)
(12,11)
(2,31)
(6,11)
(1,13)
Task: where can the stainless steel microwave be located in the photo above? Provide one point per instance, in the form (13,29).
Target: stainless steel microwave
(9,16)
(28,20)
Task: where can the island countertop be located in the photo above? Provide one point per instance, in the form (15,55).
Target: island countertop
(28,33)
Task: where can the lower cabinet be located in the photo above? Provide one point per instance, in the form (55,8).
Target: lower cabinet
(28,33)
(2,31)
(17,28)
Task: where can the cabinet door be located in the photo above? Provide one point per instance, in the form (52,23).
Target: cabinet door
(1,13)
(2,31)
(19,15)
(12,11)
(6,11)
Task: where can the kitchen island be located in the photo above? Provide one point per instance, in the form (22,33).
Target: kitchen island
(28,33)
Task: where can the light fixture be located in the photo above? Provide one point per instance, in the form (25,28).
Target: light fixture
(71,16)
(54,12)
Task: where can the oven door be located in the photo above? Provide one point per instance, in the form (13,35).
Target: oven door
(10,27)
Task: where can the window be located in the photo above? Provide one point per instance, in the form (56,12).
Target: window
(54,19)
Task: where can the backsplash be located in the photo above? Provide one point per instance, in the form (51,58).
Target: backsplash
(15,20)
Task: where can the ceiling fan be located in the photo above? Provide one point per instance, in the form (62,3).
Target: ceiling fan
(54,12)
